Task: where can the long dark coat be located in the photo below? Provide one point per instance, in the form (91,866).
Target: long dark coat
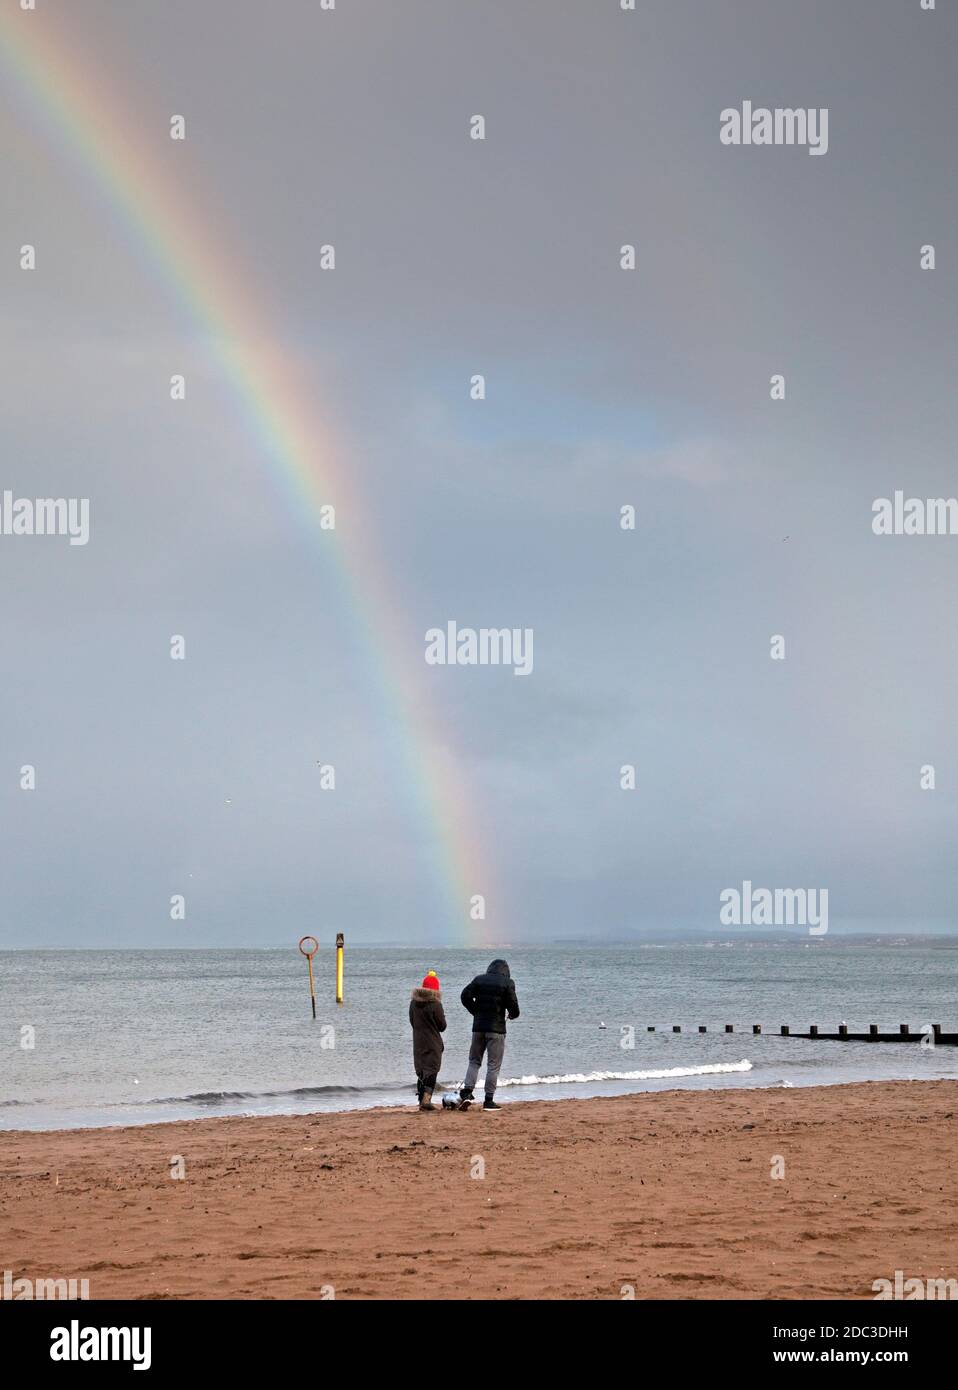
(428,1024)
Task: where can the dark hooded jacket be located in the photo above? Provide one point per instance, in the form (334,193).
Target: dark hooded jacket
(490,997)
(428,1024)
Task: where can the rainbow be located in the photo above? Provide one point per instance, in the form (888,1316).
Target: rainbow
(161,223)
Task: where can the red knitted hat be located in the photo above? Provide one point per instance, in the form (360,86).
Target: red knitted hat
(431,981)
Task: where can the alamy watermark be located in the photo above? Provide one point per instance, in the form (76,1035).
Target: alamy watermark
(775,907)
(783,125)
(13,1288)
(915,516)
(484,646)
(45,516)
(907,1289)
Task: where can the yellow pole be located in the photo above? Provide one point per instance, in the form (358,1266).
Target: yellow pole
(339,967)
(309,952)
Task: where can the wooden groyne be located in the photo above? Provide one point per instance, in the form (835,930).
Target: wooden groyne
(931,1031)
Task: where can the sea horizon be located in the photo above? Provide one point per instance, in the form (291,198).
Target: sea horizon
(182,1033)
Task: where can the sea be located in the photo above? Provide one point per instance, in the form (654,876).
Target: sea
(99,1038)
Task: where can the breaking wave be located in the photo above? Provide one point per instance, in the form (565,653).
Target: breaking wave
(661,1073)
(216,1098)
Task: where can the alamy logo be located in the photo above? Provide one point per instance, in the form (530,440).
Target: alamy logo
(76,1343)
(46,516)
(918,516)
(484,646)
(760,125)
(779,907)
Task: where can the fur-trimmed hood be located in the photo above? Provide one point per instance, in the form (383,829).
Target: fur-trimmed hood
(422,996)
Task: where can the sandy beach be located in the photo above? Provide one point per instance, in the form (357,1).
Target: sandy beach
(670,1194)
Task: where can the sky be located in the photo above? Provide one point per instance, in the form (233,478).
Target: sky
(201,779)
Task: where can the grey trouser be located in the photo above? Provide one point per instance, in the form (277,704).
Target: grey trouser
(493,1045)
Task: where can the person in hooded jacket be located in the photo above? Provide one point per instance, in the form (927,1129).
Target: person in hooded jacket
(490,998)
(428,1025)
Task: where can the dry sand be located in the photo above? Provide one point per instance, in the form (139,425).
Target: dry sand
(670,1193)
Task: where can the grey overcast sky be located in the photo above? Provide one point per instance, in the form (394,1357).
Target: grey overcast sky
(605,387)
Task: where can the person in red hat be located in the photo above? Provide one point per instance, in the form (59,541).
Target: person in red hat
(428,1025)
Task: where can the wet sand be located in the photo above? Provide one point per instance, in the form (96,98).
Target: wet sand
(669,1194)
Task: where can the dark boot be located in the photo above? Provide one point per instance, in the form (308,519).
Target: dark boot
(425,1101)
(490,1104)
